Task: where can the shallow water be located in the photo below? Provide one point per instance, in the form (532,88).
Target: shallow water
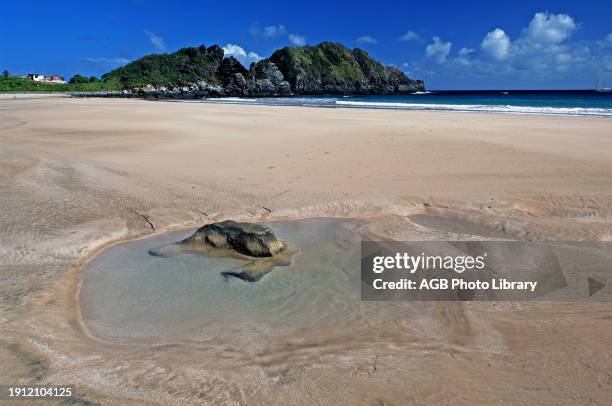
(539,102)
(130,295)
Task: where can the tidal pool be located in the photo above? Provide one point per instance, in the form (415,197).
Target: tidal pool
(129,295)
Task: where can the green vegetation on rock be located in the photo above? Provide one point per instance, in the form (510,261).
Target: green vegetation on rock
(330,67)
(187,65)
(327,59)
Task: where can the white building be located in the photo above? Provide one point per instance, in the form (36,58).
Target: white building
(46,78)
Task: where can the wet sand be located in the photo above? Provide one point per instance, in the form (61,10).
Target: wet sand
(78,174)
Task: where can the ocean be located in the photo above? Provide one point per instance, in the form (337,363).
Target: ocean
(542,102)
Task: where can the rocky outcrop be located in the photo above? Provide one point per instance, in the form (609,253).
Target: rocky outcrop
(230,66)
(266,79)
(187,65)
(252,239)
(254,243)
(263,79)
(331,68)
(327,68)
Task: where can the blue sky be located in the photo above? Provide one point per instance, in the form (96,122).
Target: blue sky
(449,44)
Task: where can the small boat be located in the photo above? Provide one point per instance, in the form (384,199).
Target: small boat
(603,88)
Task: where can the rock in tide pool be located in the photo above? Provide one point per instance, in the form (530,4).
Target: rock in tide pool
(255,243)
(254,240)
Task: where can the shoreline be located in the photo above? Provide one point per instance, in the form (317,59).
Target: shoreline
(338,103)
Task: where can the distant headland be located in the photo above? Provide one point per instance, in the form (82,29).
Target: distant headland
(197,72)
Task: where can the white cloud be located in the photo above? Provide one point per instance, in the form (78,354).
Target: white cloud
(254,57)
(234,50)
(542,46)
(545,53)
(297,40)
(274,31)
(464,56)
(246,58)
(606,42)
(268,32)
(564,58)
(409,36)
(366,39)
(106,63)
(438,50)
(496,44)
(157,42)
(547,28)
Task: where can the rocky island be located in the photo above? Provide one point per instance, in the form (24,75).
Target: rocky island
(326,68)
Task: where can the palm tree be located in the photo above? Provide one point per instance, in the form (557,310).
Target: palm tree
(5,73)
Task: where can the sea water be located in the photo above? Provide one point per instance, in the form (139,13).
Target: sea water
(541,102)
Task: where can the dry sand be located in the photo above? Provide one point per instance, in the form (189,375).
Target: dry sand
(77,174)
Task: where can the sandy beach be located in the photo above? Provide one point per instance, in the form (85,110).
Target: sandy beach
(77,175)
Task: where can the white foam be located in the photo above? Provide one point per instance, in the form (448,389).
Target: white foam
(334,102)
(569,111)
(276,101)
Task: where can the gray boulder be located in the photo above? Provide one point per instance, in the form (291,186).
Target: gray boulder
(252,239)
(256,244)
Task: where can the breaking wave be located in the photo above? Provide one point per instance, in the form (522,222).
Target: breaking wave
(396,105)
(568,111)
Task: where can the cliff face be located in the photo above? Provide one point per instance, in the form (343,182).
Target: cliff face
(331,68)
(263,79)
(327,68)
